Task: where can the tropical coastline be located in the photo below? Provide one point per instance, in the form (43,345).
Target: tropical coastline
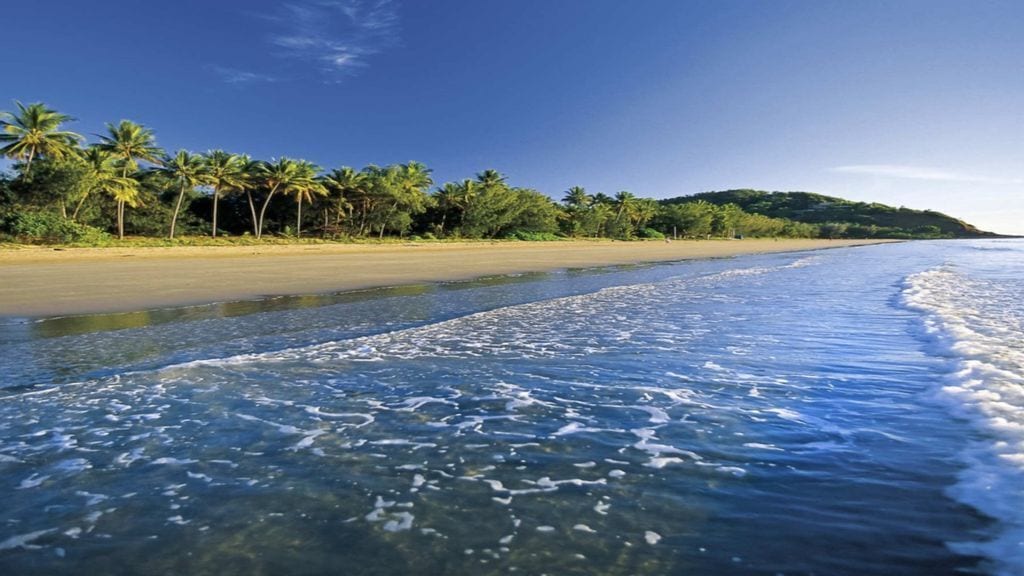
(45,282)
(382,287)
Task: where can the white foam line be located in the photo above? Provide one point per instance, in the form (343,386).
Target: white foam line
(965,320)
(363,347)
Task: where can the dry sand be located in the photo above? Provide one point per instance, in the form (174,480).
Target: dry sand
(38,282)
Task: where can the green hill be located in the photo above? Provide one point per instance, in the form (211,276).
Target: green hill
(846,217)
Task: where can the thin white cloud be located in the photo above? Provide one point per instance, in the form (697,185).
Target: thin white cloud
(236,76)
(336,36)
(920,173)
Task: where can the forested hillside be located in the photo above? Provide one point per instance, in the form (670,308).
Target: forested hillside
(839,217)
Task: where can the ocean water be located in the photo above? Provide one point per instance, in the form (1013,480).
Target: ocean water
(848,411)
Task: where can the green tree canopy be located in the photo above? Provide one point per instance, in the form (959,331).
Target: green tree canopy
(187,171)
(225,173)
(306,187)
(130,143)
(34,131)
(283,175)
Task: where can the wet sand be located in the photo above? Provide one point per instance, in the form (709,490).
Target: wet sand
(41,282)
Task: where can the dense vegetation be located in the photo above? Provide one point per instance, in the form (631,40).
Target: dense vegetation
(836,217)
(63,189)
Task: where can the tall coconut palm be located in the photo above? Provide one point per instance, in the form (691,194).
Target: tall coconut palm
(407,186)
(601,214)
(348,186)
(103,170)
(467,193)
(414,178)
(130,143)
(35,131)
(490,177)
(252,178)
(577,197)
(625,202)
(283,175)
(187,170)
(643,211)
(625,207)
(578,208)
(225,173)
(449,199)
(305,187)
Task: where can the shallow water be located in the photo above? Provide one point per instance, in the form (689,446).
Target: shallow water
(851,411)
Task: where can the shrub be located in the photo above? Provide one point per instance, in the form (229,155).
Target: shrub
(650,233)
(532,236)
(49,227)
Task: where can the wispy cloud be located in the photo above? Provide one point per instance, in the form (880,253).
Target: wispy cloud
(921,173)
(236,76)
(336,36)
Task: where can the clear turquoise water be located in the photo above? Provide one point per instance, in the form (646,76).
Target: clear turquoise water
(836,412)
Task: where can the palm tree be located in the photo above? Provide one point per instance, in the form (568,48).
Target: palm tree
(283,175)
(35,131)
(624,203)
(407,185)
(466,194)
(103,170)
(577,197)
(448,198)
(129,142)
(490,177)
(226,173)
(187,170)
(305,187)
(370,196)
(577,203)
(348,185)
(600,216)
(643,211)
(252,177)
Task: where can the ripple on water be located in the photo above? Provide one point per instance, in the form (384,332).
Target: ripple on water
(618,431)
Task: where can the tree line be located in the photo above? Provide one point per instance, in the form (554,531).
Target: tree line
(63,188)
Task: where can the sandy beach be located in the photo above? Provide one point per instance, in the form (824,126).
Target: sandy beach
(40,282)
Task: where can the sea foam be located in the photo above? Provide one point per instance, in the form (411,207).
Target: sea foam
(977,324)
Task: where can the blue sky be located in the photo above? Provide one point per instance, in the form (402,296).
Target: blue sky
(916,103)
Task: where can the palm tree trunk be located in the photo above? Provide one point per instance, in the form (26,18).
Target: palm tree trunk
(263,212)
(298,219)
(388,217)
(74,215)
(120,219)
(215,196)
(28,164)
(177,208)
(252,208)
(325,221)
(120,206)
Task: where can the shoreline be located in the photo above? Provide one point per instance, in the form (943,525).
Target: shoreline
(41,283)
